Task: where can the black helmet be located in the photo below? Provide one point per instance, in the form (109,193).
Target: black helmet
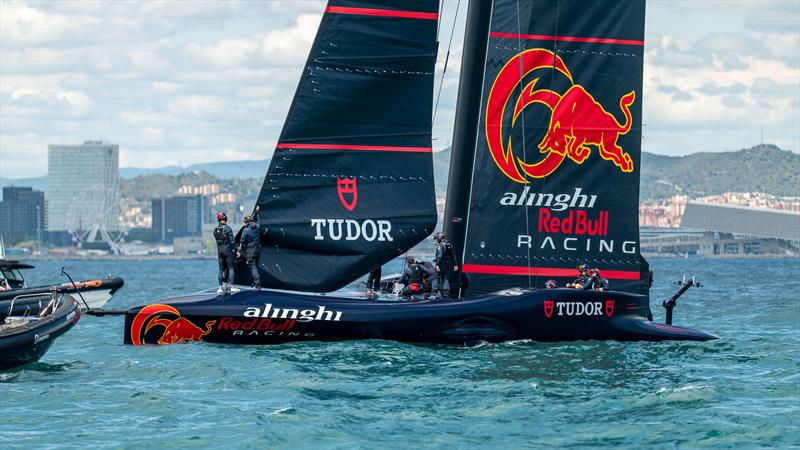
(438,237)
(583,267)
(222,216)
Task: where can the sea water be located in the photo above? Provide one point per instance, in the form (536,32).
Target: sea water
(91,391)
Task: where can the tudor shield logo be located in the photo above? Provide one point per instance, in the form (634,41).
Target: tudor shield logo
(609,307)
(548,308)
(348,192)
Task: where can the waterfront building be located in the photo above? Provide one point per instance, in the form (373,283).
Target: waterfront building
(22,215)
(179,216)
(83,187)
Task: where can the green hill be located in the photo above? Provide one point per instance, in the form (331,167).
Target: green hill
(764,168)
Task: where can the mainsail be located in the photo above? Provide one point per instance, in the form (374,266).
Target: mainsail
(350,185)
(558,146)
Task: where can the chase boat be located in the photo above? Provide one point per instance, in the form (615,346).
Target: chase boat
(93,294)
(29,326)
(544,175)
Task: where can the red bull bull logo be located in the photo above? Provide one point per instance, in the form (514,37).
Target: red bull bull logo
(175,330)
(577,120)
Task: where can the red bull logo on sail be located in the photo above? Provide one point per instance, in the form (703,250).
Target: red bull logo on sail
(577,120)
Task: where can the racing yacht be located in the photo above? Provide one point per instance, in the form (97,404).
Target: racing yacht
(544,176)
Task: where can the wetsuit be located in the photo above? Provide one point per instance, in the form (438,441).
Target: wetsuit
(449,278)
(599,282)
(250,250)
(226,247)
(374,279)
(414,278)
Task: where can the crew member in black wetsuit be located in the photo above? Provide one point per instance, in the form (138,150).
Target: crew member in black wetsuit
(449,278)
(250,246)
(598,282)
(226,248)
(414,277)
(583,279)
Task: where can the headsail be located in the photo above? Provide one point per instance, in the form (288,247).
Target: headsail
(350,185)
(558,146)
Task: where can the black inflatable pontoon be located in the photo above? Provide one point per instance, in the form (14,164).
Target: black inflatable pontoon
(29,326)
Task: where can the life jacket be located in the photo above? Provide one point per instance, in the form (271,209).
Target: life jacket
(416,274)
(446,256)
(219,236)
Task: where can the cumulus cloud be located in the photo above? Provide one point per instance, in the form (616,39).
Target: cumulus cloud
(196,81)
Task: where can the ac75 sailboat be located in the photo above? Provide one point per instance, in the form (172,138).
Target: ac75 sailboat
(544,175)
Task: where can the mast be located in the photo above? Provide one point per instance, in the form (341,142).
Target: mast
(462,155)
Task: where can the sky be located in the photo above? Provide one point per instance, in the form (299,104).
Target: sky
(183,82)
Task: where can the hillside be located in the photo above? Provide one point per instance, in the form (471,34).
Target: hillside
(764,168)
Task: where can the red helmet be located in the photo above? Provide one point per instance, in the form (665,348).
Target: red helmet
(222,216)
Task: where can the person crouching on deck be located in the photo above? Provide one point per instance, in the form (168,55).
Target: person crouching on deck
(414,277)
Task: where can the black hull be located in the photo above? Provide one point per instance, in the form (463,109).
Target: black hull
(26,344)
(274,317)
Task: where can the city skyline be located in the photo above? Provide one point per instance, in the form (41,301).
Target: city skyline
(184,83)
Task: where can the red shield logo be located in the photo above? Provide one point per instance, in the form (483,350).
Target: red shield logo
(548,308)
(348,193)
(609,307)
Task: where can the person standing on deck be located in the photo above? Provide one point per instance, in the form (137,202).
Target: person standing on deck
(446,267)
(250,246)
(226,248)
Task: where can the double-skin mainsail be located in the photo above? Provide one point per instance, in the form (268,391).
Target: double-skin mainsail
(554,119)
(350,185)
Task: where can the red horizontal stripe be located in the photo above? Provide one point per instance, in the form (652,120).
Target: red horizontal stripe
(376,148)
(382,12)
(545,271)
(542,37)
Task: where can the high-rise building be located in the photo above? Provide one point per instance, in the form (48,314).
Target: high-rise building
(22,215)
(179,216)
(83,187)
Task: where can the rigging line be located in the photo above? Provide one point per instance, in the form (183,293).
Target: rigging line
(524,150)
(446,60)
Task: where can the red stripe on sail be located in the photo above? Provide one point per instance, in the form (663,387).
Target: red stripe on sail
(375,148)
(542,37)
(382,12)
(545,271)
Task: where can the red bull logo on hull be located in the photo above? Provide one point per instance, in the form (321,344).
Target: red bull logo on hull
(175,330)
(577,120)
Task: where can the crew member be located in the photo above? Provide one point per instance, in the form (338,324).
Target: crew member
(250,247)
(446,266)
(4,286)
(374,280)
(583,278)
(550,284)
(414,277)
(226,248)
(598,282)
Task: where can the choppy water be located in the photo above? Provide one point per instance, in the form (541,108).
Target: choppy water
(740,391)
